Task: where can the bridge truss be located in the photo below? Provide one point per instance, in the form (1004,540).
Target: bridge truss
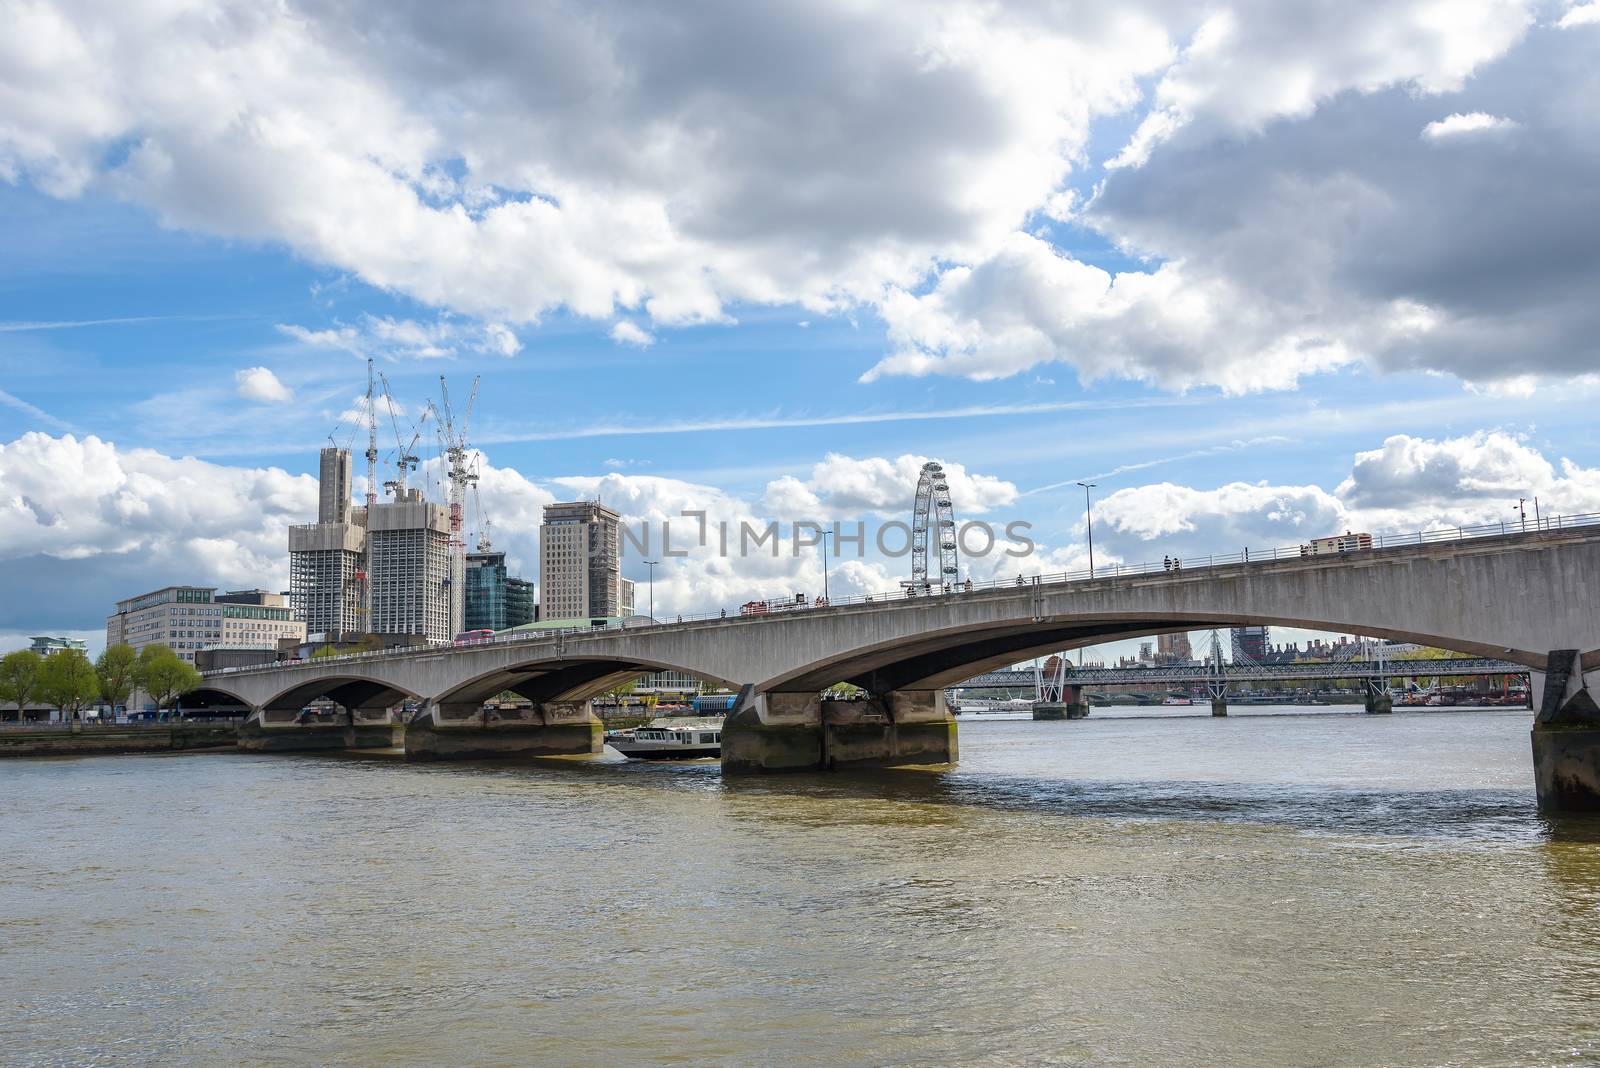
(1207,672)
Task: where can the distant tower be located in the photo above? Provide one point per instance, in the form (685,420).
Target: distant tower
(325,557)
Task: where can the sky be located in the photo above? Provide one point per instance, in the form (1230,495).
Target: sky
(1262,272)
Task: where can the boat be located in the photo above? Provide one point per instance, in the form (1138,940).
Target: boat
(670,738)
(1176,701)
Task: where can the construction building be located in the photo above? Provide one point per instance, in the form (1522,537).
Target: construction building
(1249,644)
(327,572)
(580,563)
(409,543)
(187,619)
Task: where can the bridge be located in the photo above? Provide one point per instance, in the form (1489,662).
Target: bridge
(1530,599)
(1310,670)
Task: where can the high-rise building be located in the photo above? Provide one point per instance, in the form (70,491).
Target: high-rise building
(580,564)
(486,591)
(190,618)
(327,572)
(1173,648)
(409,542)
(522,604)
(1249,643)
(333,486)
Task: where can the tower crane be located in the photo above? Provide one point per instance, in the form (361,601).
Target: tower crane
(460,474)
(406,459)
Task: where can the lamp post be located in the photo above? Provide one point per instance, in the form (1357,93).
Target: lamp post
(1522,510)
(1088,515)
(651,564)
(823,545)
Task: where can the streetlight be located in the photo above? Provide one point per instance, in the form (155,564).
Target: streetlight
(822,544)
(651,564)
(1088,514)
(1523,511)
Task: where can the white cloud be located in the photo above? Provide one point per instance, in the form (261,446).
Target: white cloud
(260,384)
(74,498)
(386,337)
(845,487)
(1580,14)
(630,333)
(1464,125)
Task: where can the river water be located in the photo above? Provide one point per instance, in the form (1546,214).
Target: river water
(1282,887)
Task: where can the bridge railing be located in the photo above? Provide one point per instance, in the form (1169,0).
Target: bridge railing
(1114,570)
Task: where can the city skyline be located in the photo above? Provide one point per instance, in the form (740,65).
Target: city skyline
(1261,373)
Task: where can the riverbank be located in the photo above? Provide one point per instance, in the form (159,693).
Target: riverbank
(57,739)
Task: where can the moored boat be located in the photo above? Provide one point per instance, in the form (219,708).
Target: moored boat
(670,738)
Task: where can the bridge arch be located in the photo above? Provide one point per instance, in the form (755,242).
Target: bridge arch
(349,691)
(575,678)
(941,658)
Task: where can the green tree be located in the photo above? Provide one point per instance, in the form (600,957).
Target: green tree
(19,678)
(115,669)
(68,681)
(163,676)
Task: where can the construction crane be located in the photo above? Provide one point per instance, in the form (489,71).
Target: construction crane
(460,475)
(483,544)
(364,590)
(406,458)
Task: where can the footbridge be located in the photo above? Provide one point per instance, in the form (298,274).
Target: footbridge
(1531,599)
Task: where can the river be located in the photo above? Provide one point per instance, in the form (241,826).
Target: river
(1306,887)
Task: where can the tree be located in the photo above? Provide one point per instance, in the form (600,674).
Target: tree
(163,676)
(19,679)
(116,668)
(68,681)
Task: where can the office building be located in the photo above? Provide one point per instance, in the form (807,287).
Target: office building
(44,645)
(496,600)
(327,573)
(580,564)
(409,542)
(486,591)
(191,618)
(1249,643)
(522,603)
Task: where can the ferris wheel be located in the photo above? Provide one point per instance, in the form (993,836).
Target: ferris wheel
(931,519)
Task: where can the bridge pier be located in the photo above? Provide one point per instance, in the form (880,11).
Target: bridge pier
(776,732)
(287,731)
(1073,705)
(1566,738)
(465,731)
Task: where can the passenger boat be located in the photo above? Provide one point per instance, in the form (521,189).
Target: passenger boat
(1176,701)
(670,738)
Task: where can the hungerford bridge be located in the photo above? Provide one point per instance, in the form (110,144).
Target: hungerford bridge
(1530,598)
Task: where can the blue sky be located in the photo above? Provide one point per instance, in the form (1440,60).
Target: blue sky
(1146,268)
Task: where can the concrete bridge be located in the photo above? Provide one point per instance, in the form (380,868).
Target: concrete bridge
(1532,599)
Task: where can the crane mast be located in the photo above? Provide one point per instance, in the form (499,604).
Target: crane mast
(460,475)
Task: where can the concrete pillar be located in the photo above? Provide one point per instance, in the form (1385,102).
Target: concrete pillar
(466,731)
(1379,703)
(1566,739)
(1219,706)
(776,732)
(772,732)
(267,730)
(1074,704)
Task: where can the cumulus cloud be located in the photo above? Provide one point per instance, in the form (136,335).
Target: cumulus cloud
(1407,484)
(630,333)
(260,384)
(843,486)
(1580,14)
(660,165)
(1465,125)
